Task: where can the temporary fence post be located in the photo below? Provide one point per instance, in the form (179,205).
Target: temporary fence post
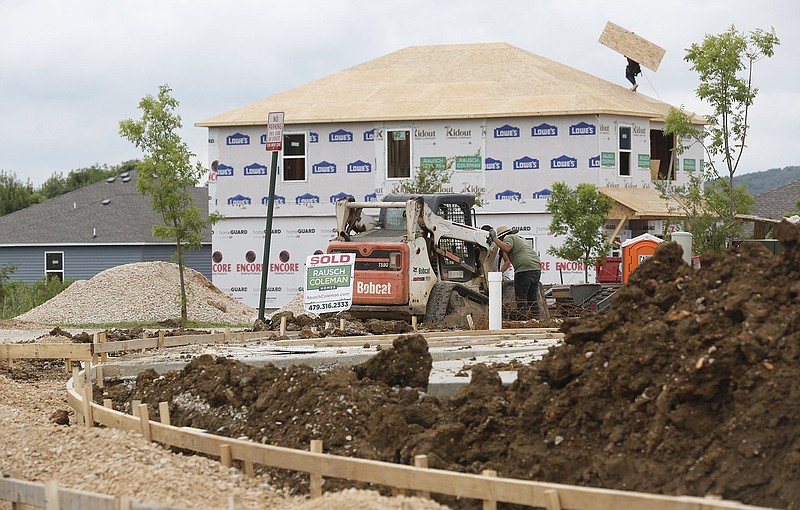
(316,478)
(489,504)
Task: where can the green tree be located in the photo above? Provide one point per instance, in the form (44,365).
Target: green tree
(57,184)
(724,64)
(14,194)
(167,175)
(579,214)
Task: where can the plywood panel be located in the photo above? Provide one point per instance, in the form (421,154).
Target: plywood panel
(636,47)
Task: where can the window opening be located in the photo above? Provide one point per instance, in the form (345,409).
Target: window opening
(54,265)
(625,150)
(398,154)
(294,157)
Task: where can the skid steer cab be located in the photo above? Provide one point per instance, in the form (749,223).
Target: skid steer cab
(416,255)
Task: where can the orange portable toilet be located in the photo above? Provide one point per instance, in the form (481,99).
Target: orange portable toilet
(637,250)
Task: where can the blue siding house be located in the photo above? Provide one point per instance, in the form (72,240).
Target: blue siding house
(79,234)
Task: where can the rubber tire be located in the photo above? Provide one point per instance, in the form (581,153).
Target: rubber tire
(438,302)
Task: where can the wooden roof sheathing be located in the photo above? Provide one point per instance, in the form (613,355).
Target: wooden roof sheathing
(487,80)
(641,204)
(631,45)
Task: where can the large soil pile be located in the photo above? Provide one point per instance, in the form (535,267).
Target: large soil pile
(140,292)
(688,384)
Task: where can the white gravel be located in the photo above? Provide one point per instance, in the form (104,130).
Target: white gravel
(141,292)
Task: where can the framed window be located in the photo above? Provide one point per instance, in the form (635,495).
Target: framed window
(294,157)
(625,150)
(54,265)
(398,154)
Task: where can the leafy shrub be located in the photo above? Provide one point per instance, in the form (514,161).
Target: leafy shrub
(17,297)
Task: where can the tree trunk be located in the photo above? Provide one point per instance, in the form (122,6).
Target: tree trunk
(184,314)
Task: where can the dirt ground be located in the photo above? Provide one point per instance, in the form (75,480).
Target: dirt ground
(688,385)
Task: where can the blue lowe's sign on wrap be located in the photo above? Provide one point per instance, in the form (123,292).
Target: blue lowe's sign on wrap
(563,162)
(323,167)
(372,197)
(493,164)
(255,169)
(508,195)
(544,193)
(359,167)
(278,200)
(339,196)
(369,136)
(526,163)
(340,135)
(506,131)
(313,137)
(224,170)
(239,200)
(306,198)
(582,129)
(544,130)
(238,139)
(594,162)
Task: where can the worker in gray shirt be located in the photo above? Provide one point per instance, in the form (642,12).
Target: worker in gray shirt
(518,253)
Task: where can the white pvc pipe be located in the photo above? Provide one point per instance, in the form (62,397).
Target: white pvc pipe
(495,301)
(684,240)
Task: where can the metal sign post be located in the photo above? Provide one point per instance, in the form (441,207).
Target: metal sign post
(274,144)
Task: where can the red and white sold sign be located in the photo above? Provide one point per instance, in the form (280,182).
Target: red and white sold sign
(275,131)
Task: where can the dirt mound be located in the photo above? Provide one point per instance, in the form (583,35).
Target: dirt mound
(141,292)
(688,384)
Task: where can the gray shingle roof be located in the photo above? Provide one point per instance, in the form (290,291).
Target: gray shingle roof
(80,217)
(778,202)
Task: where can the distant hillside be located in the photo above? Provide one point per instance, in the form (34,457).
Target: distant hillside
(760,182)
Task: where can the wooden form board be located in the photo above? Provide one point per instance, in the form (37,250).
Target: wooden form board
(636,47)
(486,488)
(46,351)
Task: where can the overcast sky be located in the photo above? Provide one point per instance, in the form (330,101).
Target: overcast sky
(70,71)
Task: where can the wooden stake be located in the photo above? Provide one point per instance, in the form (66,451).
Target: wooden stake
(7,343)
(122,502)
(470,321)
(135,407)
(235,502)
(87,406)
(414,322)
(552,499)
(249,470)
(77,380)
(68,365)
(421,461)
(283,326)
(341,324)
(144,417)
(225,455)
(227,334)
(51,495)
(144,337)
(100,382)
(160,339)
(103,339)
(163,415)
(489,504)
(108,403)
(316,478)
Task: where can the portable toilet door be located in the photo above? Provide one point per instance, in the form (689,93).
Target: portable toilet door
(637,250)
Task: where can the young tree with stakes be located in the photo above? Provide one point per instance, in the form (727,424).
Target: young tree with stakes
(166,174)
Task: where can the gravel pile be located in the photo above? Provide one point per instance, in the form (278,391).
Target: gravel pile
(140,292)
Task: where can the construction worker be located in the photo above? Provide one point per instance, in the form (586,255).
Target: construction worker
(632,70)
(518,253)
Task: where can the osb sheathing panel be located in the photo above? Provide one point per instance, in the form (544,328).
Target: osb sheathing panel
(488,80)
(629,44)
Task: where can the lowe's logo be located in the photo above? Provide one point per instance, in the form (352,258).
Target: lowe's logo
(313,137)
(526,163)
(323,167)
(508,195)
(372,197)
(493,164)
(369,136)
(340,136)
(239,200)
(582,128)
(278,200)
(544,130)
(563,162)
(255,169)
(335,198)
(541,194)
(307,198)
(224,170)
(359,167)
(506,132)
(594,162)
(238,139)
